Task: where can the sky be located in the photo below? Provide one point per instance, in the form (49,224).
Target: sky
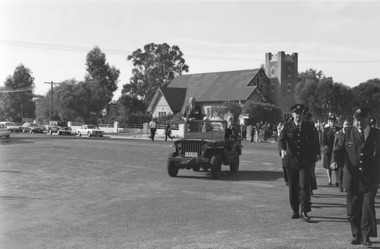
(53,37)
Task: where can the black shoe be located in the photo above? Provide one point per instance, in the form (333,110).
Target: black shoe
(305,217)
(336,184)
(366,242)
(295,216)
(355,241)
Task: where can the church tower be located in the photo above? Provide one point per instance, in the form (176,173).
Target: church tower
(282,71)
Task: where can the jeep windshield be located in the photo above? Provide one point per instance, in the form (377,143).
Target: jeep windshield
(205,129)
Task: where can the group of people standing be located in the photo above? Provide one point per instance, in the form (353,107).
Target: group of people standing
(352,152)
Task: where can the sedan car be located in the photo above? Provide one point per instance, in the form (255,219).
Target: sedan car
(11,126)
(32,128)
(4,132)
(89,130)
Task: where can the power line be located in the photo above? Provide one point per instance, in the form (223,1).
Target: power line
(40,45)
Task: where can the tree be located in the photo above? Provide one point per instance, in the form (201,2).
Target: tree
(127,105)
(262,112)
(231,107)
(101,74)
(18,104)
(154,67)
(322,95)
(367,94)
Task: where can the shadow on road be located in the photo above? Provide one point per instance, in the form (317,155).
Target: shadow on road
(245,175)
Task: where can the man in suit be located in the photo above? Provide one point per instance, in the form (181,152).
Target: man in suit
(359,148)
(193,112)
(298,145)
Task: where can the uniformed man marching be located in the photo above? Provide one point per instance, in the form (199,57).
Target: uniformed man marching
(298,146)
(359,149)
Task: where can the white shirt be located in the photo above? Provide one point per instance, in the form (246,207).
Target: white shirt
(152,124)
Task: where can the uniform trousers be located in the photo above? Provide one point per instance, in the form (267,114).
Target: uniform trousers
(299,189)
(361,212)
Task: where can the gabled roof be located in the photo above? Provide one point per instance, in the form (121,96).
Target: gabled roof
(174,96)
(218,86)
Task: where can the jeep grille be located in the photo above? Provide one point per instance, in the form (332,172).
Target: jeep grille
(192,146)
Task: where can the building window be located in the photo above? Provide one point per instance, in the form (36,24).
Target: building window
(272,71)
(289,72)
(272,87)
(289,87)
(161,114)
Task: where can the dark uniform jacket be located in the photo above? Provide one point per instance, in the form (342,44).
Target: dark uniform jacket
(195,112)
(361,160)
(300,144)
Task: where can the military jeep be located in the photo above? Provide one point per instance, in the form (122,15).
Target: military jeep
(204,146)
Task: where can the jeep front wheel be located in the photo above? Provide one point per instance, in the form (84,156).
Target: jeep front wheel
(234,164)
(88,134)
(172,168)
(215,166)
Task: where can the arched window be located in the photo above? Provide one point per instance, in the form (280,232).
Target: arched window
(272,71)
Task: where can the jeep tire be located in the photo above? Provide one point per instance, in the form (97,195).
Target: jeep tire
(172,168)
(215,166)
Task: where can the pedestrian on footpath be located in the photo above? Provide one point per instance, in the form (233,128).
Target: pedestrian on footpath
(340,161)
(328,136)
(168,131)
(359,146)
(153,128)
(298,145)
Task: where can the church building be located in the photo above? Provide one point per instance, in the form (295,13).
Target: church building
(273,84)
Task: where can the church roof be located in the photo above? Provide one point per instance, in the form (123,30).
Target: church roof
(175,97)
(218,86)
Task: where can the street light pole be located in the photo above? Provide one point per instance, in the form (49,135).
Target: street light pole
(51,95)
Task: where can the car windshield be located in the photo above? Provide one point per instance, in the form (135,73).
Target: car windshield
(91,126)
(33,125)
(61,123)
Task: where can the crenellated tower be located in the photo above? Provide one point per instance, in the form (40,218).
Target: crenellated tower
(282,71)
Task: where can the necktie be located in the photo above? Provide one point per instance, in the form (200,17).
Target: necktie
(362,136)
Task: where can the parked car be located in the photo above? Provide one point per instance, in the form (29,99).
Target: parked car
(58,127)
(89,130)
(205,146)
(12,126)
(32,128)
(4,132)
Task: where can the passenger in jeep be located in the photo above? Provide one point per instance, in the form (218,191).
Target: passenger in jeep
(193,112)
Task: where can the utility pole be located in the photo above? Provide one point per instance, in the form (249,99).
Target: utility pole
(51,95)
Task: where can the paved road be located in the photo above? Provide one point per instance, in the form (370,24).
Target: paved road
(70,192)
